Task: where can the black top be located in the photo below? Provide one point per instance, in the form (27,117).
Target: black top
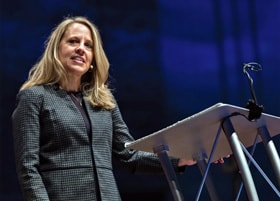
(77,98)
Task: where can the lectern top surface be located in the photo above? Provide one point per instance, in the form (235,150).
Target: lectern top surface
(197,133)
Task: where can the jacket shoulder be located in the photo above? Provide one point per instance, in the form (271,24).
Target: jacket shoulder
(32,94)
(36,90)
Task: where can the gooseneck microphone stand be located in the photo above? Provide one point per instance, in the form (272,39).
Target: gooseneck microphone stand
(255,112)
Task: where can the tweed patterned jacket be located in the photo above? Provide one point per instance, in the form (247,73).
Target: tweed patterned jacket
(55,158)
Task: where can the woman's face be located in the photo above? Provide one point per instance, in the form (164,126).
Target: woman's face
(76,49)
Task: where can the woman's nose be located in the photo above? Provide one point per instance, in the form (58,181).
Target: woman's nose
(80,49)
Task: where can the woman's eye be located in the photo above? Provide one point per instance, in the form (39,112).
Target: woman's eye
(75,42)
(89,45)
(72,41)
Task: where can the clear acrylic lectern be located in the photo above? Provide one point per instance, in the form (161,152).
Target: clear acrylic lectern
(216,132)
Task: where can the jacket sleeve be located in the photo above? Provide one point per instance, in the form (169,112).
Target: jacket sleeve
(134,161)
(26,133)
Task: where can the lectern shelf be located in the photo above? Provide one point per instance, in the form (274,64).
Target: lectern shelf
(197,132)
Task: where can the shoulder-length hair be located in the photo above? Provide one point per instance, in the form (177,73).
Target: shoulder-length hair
(49,70)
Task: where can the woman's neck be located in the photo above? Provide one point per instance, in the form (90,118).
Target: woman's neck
(71,85)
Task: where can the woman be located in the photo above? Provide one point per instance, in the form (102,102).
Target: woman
(67,125)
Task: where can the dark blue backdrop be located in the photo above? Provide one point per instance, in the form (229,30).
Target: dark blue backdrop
(169,60)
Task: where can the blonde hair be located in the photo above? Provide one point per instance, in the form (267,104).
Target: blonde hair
(49,70)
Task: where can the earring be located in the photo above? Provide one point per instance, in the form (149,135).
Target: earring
(90,68)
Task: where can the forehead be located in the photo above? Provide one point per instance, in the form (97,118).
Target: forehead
(79,30)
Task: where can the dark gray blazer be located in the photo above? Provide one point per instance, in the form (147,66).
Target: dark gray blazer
(55,158)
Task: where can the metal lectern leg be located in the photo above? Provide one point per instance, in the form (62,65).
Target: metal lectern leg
(271,151)
(241,160)
(161,151)
(200,158)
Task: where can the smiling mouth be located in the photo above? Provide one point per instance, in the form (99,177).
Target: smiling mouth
(78,59)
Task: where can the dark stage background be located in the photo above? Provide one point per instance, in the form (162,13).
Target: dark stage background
(169,60)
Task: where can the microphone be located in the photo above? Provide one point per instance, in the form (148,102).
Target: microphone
(255,110)
(252,66)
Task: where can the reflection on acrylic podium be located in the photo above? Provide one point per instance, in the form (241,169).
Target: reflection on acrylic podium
(209,135)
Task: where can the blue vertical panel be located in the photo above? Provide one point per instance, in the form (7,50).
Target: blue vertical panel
(268,18)
(188,55)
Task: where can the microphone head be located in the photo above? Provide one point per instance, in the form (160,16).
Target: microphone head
(253,66)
